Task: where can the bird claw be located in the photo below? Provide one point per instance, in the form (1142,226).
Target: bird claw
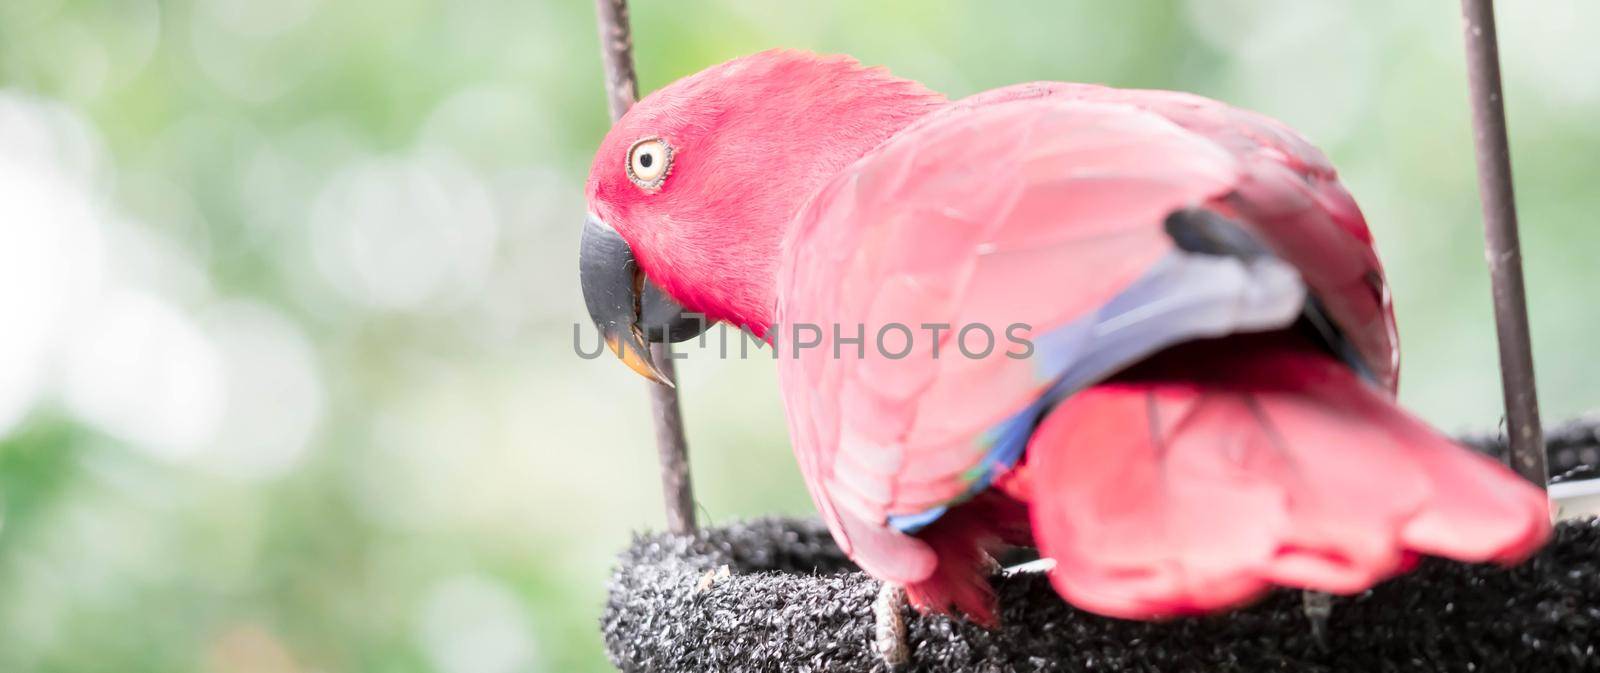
(889,627)
(1318,607)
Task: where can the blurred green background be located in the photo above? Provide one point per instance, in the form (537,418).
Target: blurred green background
(287,291)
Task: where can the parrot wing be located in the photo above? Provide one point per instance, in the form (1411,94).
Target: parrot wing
(1080,218)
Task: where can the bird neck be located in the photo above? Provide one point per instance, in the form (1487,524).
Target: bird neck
(839,123)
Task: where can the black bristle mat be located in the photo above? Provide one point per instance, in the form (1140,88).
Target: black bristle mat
(790,601)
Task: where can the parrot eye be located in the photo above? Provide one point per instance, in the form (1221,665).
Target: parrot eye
(649,161)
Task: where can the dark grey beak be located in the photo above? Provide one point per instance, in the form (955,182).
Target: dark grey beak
(630,311)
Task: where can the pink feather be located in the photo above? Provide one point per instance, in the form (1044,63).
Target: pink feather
(1221,468)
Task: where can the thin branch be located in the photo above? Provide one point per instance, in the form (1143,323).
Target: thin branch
(622,87)
(616,50)
(1502,247)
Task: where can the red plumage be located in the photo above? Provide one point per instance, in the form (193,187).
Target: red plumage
(1218,468)
(1194,448)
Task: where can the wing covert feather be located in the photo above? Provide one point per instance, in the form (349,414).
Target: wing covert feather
(1033,204)
(955,223)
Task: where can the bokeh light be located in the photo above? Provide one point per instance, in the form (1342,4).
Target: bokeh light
(142,371)
(405,233)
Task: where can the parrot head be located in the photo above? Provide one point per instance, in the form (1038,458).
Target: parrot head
(692,191)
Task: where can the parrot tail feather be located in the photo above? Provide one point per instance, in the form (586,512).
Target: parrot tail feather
(964,540)
(1218,469)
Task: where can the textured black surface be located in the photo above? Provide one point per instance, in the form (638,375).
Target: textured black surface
(1573,447)
(790,601)
(790,604)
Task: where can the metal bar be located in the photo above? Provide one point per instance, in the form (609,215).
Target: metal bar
(1503,250)
(622,89)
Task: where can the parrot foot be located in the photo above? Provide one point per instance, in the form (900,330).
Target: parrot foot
(1318,607)
(889,632)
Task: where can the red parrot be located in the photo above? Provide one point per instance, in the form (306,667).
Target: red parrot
(1188,395)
